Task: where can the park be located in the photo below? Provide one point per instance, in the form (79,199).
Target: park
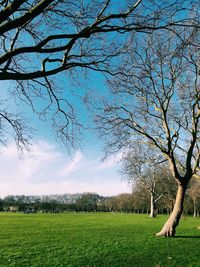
(99,133)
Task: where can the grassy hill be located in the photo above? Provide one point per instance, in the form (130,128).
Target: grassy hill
(97,239)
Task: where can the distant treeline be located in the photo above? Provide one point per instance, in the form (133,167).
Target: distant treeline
(137,202)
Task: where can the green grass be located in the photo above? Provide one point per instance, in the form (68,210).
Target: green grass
(101,239)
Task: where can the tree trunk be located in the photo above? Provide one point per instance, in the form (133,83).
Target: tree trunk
(152,207)
(169,228)
(147,210)
(194,208)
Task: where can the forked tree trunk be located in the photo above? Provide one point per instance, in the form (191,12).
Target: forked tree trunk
(152,207)
(169,228)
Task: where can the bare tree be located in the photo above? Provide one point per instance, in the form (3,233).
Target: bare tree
(170,187)
(42,38)
(156,97)
(194,194)
(143,165)
(141,198)
(125,202)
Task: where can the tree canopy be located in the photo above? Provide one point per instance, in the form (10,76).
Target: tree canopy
(42,38)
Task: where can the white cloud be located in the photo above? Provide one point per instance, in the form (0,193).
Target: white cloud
(110,161)
(46,170)
(73,164)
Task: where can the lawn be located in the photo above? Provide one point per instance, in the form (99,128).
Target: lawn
(96,239)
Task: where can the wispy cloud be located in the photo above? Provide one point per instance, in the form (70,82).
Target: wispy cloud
(110,162)
(46,170)
(72,165)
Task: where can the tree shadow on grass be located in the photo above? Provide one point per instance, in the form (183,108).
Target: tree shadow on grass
(185,236)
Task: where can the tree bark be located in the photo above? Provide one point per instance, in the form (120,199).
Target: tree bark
(169,229)
(152,207)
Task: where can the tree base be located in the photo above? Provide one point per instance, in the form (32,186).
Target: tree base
(168,233)
(152,216)
(169,229)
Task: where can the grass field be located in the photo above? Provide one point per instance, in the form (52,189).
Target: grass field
(101,239)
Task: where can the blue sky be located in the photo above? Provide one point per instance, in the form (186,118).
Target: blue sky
(47,169)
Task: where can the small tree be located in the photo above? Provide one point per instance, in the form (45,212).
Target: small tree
(125,202)
(87,202)
(142,165)
(194,194)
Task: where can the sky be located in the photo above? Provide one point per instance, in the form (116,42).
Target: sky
(48,169)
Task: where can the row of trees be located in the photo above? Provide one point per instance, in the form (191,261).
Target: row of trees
(137,202)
